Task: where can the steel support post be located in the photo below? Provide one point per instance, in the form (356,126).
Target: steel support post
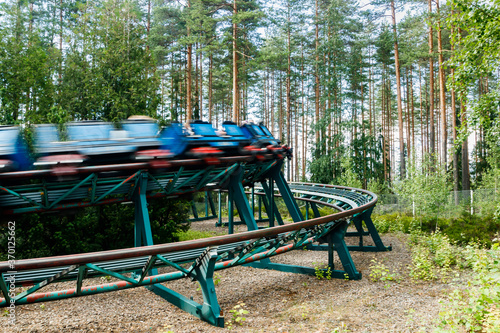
(193,208)
(285,192)
(260,208)
(315,209)
(337,243)
(206,204)
(203,272)
(142,226)
(253,200)
(230,213)
(271,208)
(211,202)
(237,195)
(372,231)
(219,220)
(272,205)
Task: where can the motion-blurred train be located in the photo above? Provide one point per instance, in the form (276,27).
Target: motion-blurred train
(138,139)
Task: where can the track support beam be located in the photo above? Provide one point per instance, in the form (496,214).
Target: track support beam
(372,231)
(336,243)
(203,272)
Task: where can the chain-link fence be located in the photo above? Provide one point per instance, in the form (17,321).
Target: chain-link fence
(483,201)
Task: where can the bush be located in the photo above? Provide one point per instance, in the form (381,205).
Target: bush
(434,255)
(463,230)
(395,222)
(476,308)
(472,228)
(93,229)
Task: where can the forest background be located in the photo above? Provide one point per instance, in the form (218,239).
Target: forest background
(394,96)
(367,90)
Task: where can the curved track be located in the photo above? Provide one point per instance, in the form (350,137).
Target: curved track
(197,259)
(360,199)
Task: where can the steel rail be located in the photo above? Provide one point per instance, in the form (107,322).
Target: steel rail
(131,166)
(338,187)
(94,257)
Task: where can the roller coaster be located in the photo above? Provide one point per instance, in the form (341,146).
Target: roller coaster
(86,164)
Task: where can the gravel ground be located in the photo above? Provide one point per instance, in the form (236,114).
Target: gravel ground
(275,301)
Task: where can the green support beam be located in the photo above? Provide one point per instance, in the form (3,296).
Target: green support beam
(202,272)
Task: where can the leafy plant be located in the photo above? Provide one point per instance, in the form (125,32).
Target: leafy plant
(380,272)
(426,187)
(475,308)
(238,313)
(322,271)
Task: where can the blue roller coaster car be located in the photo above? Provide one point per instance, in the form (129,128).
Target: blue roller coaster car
(99,143)
(262,139)
(201,140)
(93,142)
(14,154)
(260,135)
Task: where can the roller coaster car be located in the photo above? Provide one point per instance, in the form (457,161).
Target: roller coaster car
(14,154)
(262,138)
(99,143)
(144,133)
(200,140)
(88,141)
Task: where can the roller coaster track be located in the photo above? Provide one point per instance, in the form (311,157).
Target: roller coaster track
(152,265)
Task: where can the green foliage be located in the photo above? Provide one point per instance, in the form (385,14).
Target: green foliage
(26,65)
(426,186)
(196,234)
(114,78)
(476,37)
(472,228)
(476,308)
(432,256)
(238,313)
(322,271)
(395,222)
(378,187)
(380,272)
(461,230)
(349,176)
(94,229)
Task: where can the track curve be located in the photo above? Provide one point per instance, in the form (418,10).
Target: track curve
(134,267)
(319,193)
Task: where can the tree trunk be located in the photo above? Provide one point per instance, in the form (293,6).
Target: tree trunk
(235,68)
(288,83)
(210,101)
(442,96)
(60,39)
(421,110)
(189,109)
(398,87)
(432,143)
(465,152)
(316,76)
(201,85)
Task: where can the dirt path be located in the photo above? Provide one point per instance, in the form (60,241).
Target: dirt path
(275,301)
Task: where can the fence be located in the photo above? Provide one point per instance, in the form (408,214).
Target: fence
(483,201)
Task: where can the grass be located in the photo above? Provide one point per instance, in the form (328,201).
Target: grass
(196,234)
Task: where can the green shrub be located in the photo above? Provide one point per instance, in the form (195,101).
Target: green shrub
(473,228)
(476,308)
(94,229)
(433,255)
(395,222)
(462,230)
(196,234)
